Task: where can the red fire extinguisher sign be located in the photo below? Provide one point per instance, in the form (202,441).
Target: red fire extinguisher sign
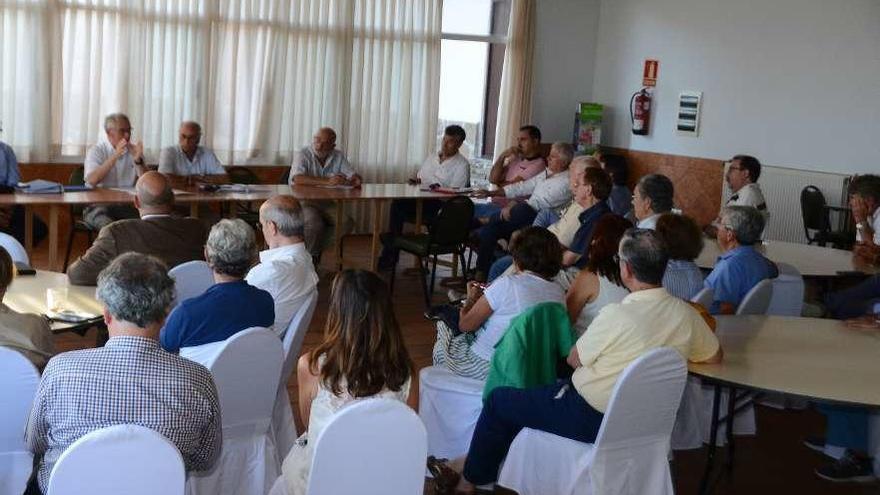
(649,76)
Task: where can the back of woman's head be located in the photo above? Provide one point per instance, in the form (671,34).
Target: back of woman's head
(537,250)
(604,242)
(682,236)
(7,270)
(363,350)
(616,167)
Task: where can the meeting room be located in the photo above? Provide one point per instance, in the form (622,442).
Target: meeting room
(535,247)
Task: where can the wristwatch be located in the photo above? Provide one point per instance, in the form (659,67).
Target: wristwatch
(860,225)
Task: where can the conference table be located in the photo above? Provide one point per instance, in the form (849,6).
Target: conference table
(376,194)
(809,358)
(27,294)
(810,261)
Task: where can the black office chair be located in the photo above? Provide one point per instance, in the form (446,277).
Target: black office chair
(816,215)
(447,234)
(77,224)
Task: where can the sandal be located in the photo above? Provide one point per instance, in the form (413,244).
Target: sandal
(445,478)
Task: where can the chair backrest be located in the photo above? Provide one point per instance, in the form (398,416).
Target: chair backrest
(704,297)
(242,175)
(757,300)
(19,379)
(788,292)
(295,334)
(77,178)
(285,177)
(813,210)
(452,225)
(128,459)
(380,445)
(14,248)
(246,372)
(191,279)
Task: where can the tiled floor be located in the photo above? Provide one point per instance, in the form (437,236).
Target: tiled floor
(772,462)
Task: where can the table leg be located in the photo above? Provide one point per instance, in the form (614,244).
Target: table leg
(337,245)
(53,236)
(418,230)
(29,230)
(194,209)
(374,247)
(713,438)
(731,415)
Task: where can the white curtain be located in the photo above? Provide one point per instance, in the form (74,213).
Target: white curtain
(515,96)
(260,75)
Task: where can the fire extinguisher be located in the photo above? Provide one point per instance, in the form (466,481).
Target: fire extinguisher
(640,111)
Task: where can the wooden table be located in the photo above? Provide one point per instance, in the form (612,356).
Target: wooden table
(374,193)
(27,294)
(811,261)
(810,358)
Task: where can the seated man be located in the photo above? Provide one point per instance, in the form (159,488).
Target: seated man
(653,197)
(548,217)
(285,270)
(447,168)
(648,318)
(742,179)
(515,164)
(26,333)
(130,380)
(548,189)
(188,161)
(12,216)
(231,304)
(740,266)
(620,199)
(172,239)
(321,164)
(864,199)
(113,162)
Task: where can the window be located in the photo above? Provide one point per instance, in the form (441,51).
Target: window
(472,56)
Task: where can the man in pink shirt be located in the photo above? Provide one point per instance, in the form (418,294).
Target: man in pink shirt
(520,162)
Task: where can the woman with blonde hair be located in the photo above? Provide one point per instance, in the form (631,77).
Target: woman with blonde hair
(362,356)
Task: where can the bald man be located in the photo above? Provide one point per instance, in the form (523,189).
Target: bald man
(157,232)
(321,164)
(188,161)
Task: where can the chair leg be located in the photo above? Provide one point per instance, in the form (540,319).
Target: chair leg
(423,267)
(391,282)
(433,277)
(69,249)
(464,267)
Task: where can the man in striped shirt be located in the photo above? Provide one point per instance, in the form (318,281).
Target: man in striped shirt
(130,380)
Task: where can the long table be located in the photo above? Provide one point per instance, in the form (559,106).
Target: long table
(810,261)
(377,194)
(27,294)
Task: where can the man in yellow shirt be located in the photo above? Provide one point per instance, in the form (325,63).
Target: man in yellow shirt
(646,319)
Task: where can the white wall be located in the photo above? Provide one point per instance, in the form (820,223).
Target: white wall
(794,82)
(565,47)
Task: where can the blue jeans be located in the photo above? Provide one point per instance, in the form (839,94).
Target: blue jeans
(485,209)
(855,301)
(546,217)
(508,410)
(499,267)
(521,215)
(846,427)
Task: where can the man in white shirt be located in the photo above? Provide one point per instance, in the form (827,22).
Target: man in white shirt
(188,160)
(742,178)
(653,196)
(448,169)
(321,164)
(285,269)
(113,162)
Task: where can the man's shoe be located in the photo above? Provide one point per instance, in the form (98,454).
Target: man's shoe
(850,468)
(815,443)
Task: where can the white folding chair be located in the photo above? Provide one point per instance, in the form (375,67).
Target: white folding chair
(788,292)
(246,371)
(191,279)
(128,459)
(379,444)
(14,248)
(704,297)
(449,406)
(757,300)
(283,427)
(18,385)
(630,452)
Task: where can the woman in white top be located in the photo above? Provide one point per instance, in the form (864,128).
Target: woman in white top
(362,356)
(599,282)
(485,316)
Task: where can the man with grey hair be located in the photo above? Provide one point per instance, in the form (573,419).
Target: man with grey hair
(113,162)
(188,161)
(157,232)
(740,266)
(653,196)
(646,319)
(285,270)
(130,380)
(231,304)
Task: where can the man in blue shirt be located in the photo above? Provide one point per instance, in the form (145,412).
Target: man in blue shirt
(231,304)
(12,216)
(740,267)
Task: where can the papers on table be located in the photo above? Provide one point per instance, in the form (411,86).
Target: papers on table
(243,188)
(448,190)
(337,186)
(40,186)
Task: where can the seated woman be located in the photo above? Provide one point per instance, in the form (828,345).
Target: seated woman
(26,333)
(362,356)
(467,350)
(684,242)
(599,282)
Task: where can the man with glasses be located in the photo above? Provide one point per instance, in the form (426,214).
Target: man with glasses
(188,161)
(113,162)
(742,179)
